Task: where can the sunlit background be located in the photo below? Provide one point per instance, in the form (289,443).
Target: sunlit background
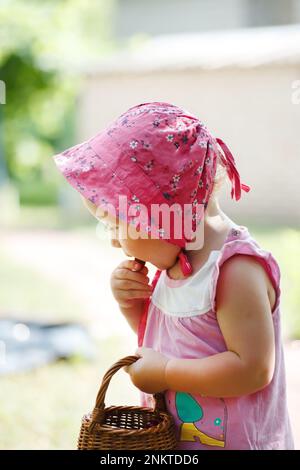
(67,68)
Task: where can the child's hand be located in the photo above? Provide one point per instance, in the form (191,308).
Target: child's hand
(148,372)
(129,285)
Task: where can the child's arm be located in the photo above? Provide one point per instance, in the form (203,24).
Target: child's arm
(245,319)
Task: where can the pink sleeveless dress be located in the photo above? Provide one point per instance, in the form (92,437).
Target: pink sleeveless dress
(180,322)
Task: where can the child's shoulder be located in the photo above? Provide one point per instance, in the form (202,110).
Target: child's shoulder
(244,273)
(244,266)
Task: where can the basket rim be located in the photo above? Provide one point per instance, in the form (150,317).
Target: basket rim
(166,423)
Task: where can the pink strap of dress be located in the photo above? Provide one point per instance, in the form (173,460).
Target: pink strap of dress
(143,320)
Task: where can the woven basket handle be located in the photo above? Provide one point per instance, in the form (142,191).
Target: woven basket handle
(98,414)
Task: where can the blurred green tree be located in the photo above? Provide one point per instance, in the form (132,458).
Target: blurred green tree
(45,47)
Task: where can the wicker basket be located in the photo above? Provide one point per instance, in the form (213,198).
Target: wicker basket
(126,427)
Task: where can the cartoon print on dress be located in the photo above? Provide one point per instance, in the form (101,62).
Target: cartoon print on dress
(201,422)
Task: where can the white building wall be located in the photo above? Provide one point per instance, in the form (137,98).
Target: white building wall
(249,108)
(178,16)
(173,16)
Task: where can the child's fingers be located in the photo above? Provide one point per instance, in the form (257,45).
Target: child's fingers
(133,294)
(124,284)
(123,273)
(130,264)
(138,265)
(128,285)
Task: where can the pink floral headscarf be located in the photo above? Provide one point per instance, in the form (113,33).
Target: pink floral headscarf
(154,153)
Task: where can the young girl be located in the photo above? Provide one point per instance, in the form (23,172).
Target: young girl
(208,326)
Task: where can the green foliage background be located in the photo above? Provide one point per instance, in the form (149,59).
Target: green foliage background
(44,49)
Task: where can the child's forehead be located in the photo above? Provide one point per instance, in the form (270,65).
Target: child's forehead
(100,212)
(106,216)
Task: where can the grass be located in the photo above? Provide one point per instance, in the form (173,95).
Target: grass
(284,244)
(42,409)
(25,293)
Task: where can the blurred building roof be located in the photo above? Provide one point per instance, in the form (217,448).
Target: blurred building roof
(173,16)
(247,47)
